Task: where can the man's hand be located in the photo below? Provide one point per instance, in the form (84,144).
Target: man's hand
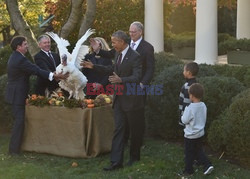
(96,86)
(115,78)
(87,64)
(95,45)
(60,76)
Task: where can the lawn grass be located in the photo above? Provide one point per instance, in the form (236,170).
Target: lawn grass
(159,159)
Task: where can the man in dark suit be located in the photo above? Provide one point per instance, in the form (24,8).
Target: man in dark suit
(146,51)
(127,107)
(19,69)
(48,61)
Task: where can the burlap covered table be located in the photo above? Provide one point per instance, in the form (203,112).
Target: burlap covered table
(82,133)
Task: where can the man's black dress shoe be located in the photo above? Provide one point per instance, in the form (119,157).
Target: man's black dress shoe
(113,167)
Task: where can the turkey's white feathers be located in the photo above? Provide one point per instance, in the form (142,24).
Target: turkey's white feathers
(61,44)
(84,49)
(79,43)
(76,81)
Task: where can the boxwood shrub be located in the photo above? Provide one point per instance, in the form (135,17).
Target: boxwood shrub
(241,73)
(5,110)
(6,118)
(162,111)
(4,56)
(234,44)
(163,60)
(230,132)
(219,91)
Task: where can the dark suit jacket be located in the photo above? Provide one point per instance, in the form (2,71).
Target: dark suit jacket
(146,51)
(91,75)
(44,62)
(19,70)
(130,73)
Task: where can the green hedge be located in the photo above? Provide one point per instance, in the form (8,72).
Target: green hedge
(234,44)
(187,39)
(219,91)
(6,118)
(241,73)
(162,111)
(4,56)
(230,132)
(164,60)
(5,110)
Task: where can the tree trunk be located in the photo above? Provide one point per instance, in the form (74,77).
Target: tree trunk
(21,26)
(89,17)
(75,14)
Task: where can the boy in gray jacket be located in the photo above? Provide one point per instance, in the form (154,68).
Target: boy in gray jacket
(194,118)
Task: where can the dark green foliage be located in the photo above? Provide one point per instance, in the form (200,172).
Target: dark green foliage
(162,111)
(32,84)
(223,37)
(230,132)
(234,44)
(5,110)
(206,70)
(73,103)
(164,60)
(39,101)
(219,91)
(241,73)
(182,19)
(227,20)
(6,118)
(4,56)
(247,78)
(186,39)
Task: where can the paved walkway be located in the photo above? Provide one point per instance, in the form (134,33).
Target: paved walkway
(222,59)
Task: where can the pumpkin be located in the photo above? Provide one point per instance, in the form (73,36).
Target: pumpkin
(90,105)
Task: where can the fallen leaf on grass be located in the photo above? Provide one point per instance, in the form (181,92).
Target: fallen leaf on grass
(74,164)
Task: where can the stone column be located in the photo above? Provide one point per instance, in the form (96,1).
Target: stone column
(153,24)
(206,45)
(243,19)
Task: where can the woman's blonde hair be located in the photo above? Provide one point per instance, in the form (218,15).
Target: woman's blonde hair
(104,45)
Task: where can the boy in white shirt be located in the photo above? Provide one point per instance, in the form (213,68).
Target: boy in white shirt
(194,118)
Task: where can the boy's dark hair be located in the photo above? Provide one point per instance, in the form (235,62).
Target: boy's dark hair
(192,67)
(197,90)
(17,40)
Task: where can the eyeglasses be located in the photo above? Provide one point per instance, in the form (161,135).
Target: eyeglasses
(133,32)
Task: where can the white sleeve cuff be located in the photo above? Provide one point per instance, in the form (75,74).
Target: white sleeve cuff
(51,76)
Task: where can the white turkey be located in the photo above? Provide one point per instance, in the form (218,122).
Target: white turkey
(70,63)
